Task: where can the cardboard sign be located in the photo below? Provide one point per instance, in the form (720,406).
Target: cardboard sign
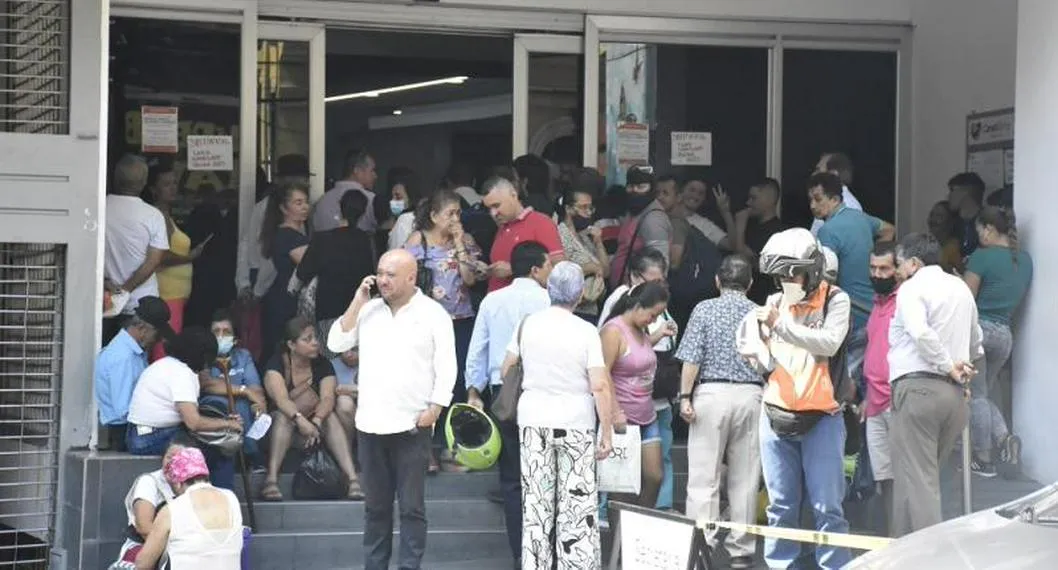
(159,130)
(655,542)
(210,152)
(692,149)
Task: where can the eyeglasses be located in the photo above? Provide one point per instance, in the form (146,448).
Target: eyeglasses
(585,208)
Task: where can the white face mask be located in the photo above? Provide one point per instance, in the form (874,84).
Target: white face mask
(225,344)
(792,293)
(396,207)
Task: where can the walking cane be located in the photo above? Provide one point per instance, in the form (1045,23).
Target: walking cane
(225,366)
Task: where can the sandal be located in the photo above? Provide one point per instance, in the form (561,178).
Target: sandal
(355,492)
(270,492)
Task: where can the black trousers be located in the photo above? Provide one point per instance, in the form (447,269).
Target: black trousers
(510,464)
(391,466)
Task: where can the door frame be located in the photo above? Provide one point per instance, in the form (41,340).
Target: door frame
(243,13)
(775,36)
(524,46)
(316,36)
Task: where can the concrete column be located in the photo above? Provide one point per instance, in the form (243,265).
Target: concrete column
(1036,136)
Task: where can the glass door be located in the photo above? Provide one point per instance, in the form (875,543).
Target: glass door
(546,100)
(290,107)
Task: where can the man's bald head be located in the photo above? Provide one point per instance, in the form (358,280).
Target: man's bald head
(501,198)
(396,276)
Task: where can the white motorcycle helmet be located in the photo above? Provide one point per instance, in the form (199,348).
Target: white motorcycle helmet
(794,252)
(830,265)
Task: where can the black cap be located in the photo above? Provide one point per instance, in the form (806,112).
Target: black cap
(155,312)
(637,175)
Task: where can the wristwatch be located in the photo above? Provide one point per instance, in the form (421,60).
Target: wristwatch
(296,417)
(687,396)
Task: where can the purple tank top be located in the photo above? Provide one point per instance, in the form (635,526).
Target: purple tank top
(633,376)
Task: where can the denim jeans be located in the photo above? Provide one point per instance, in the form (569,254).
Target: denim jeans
(987,425)
(814,463)
(221,468)
(665,491)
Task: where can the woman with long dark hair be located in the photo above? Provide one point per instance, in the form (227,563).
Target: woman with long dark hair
(284,239)
(302,387)
(453,261)
(404,196)
(998,273)
(628,351)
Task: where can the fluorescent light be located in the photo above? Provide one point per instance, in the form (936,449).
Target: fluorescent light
(456,80)
(398,112)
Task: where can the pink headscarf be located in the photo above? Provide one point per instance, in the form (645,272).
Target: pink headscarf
(185,464)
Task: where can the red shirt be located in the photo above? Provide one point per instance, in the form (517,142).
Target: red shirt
(528,226)
(876,355)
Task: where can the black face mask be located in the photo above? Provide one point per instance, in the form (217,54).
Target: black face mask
(883,286)
(580,223)
(639,202)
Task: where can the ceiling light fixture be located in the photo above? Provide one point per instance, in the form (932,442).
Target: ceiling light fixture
(398,112)
(456,80)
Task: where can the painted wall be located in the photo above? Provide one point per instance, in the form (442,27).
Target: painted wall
(963,61)
(1035,130)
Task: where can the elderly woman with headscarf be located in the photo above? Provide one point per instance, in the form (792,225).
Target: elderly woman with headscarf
(565,385)
(201,527)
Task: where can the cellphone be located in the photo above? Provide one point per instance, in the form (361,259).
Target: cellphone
(373,290)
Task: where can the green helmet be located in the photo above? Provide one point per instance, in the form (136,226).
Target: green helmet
(472,436)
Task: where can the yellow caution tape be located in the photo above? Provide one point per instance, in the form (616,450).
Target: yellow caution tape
(855,541)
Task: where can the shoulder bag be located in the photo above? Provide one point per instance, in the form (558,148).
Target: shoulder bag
(505,408)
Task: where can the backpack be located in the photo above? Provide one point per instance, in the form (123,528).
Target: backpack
(844,387)
(695,279)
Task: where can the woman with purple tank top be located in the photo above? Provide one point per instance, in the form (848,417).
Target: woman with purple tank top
(630,358)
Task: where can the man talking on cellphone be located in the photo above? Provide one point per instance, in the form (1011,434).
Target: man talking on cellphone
(933,338)
(407,372)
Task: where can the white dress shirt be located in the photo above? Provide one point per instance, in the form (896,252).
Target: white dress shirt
(848,199)
(133,227)
(935,325)
(407,361)
(249,255)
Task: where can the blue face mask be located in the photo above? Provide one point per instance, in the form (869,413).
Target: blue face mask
(396,207)
(225,344)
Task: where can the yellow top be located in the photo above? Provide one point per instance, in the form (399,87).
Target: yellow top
(174,282)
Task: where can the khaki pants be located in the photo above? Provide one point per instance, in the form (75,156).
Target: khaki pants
(725,427)
(929,415)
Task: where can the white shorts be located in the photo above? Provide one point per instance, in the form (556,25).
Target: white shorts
(878,446)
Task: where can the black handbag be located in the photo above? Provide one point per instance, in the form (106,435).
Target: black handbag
(423,274)
(318,477)
(667,376)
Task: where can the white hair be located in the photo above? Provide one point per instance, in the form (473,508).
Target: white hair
(130,174)
(565,284)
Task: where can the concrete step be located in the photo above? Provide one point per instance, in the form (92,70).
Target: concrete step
(333,550)
(442,514)
(472,485)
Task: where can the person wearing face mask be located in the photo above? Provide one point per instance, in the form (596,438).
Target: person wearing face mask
(242,374)
(792,340)
(646,226)
(404,195)
(876,412)
(583,243)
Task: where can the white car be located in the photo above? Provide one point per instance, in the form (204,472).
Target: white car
(1022,534)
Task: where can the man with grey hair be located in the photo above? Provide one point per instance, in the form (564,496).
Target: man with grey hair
(517,224)
(358,174)
(136,237)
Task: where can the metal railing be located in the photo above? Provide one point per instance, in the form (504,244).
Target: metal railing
(34,66)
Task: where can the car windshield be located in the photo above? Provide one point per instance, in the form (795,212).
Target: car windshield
(1040,507)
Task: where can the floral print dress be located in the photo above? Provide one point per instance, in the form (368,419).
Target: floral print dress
(448,287)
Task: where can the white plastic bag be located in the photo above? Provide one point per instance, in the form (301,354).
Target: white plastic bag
(621,472)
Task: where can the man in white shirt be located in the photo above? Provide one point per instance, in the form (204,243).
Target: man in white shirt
(360,175)
(933,338)
(407,372)
(839,165)
(136,235)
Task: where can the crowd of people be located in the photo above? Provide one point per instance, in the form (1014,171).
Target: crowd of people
(358,320)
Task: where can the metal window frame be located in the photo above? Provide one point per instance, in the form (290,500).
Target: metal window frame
(316,36)
(776,37)
(243,13)
(524,46)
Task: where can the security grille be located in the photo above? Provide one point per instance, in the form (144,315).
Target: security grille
(34,63)
(32,288)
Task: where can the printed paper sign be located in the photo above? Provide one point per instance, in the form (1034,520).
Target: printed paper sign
(633,144)
(988,164)
(159,132)
(210,152)
(654,543)
(692,149)
(993,128)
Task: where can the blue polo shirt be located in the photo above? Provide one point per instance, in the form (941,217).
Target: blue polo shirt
(243,371)
(118,368)
(850,233)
